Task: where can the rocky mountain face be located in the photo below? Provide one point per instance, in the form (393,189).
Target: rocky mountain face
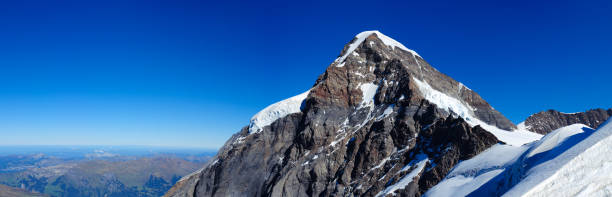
(546,121)
(379,121)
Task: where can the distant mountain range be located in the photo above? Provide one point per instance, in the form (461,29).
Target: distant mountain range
(99,172)
(6,191)
(381,121)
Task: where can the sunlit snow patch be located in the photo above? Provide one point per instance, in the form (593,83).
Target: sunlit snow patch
(368,91)
(275,111)
(448,103)
(407,179)
(576,168)
(471,174)
(573,156)
(363,35)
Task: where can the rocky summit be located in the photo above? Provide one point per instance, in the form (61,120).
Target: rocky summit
(546,121)
(379,121)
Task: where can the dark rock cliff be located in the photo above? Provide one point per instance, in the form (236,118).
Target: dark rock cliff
(367,127)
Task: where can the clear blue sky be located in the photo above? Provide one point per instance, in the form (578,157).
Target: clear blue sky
(191,73)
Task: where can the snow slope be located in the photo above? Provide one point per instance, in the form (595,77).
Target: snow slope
(275,111)
(362,36)
(369,91)
(584,169)
(448,103)
(570,161)
(471,174)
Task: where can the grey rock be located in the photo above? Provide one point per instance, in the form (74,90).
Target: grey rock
(547,121)
(336,146)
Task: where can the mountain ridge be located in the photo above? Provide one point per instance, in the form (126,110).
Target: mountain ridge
(549,120)
(378,115)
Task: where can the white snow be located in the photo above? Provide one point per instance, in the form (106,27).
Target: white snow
(469,175)
(368,91)
(381,163)
(448,103)
(584,169)
(516,138)
(462,86)
(392,43)
(333,143)
(496,157)
(362,36)
(417,158)
(385,113)
(461,185)
(275,111)
(359,74)
(570,161)
(522,126)
(404,181)
(442,100)
(556,137)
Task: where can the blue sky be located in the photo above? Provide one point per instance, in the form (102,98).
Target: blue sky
(192,73)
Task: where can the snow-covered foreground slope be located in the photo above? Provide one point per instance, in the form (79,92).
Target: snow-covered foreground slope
(585,169)
(471,174)
(570,161)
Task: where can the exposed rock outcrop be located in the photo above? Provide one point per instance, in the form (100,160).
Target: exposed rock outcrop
(380,120)
(547,121)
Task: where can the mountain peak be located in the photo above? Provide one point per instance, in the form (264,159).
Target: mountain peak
(361,37)
(379,110)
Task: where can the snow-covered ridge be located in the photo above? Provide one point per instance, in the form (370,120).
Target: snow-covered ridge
(583,164)
(555,138)
(275,111)
(569,161)
(451,104)
(363,35)
(442,100)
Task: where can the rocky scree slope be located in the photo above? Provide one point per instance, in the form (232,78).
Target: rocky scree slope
(546,121)
(379,121)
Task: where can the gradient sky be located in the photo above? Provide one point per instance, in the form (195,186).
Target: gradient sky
(192,73)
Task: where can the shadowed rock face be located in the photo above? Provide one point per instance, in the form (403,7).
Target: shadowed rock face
(344,142)
(547,121)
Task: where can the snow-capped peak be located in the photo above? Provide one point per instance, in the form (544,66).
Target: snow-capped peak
(275,111)
(385,39)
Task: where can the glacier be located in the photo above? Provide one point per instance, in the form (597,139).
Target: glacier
(569,161)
